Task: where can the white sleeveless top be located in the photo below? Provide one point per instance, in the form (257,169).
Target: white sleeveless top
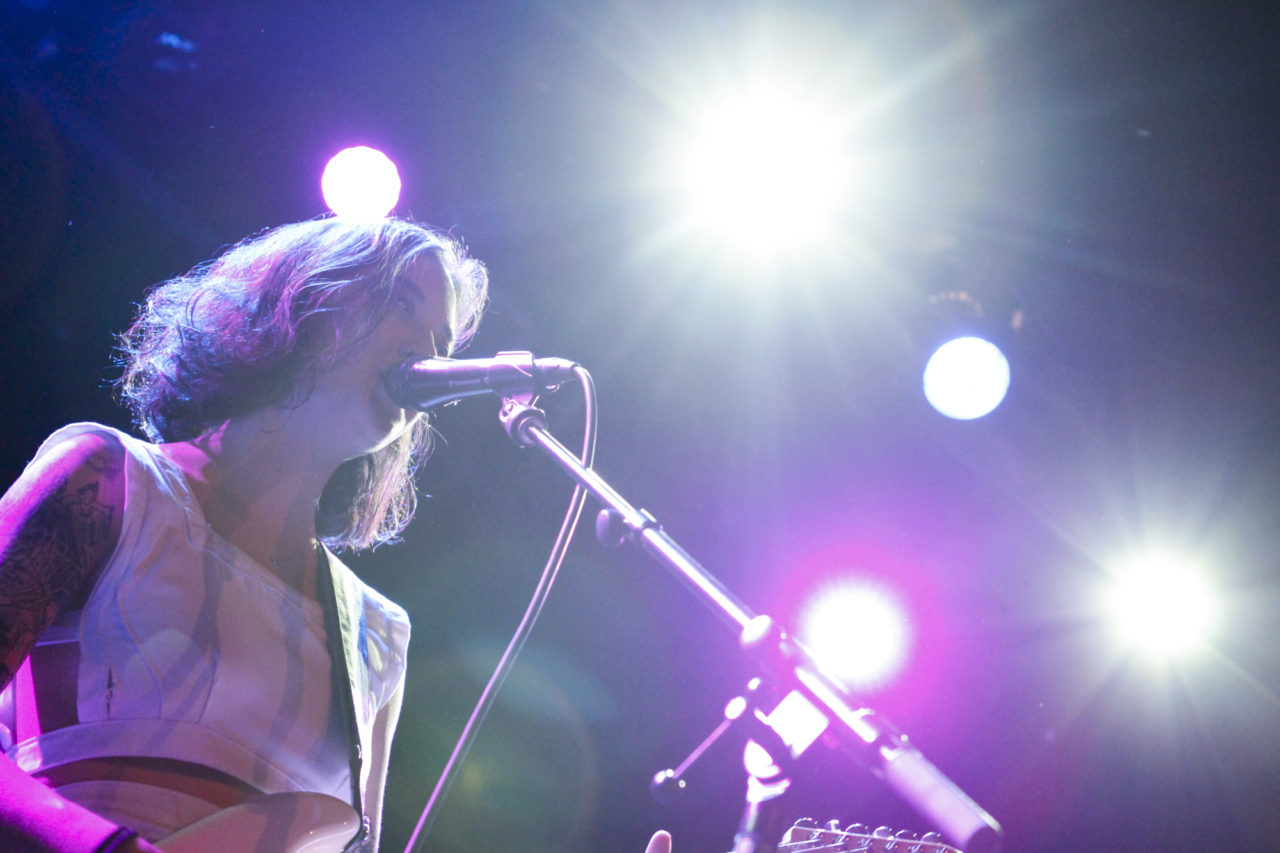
(191,650)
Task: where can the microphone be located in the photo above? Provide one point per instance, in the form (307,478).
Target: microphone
(434,381)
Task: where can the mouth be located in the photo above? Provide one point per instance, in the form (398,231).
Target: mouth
(390,383)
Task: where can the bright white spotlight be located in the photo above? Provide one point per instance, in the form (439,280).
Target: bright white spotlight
(765,170)
(966,378)
(859,631)
(360,183)
(1161,606)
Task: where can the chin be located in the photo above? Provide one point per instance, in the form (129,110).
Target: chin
(402,425)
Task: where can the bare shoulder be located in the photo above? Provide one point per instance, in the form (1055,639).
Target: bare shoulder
(76,489)
(86,454)
(58,525)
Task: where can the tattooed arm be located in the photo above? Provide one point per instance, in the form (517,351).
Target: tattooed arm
(58,525)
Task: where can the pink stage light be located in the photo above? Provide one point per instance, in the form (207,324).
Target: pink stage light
(361,183)
(858,630)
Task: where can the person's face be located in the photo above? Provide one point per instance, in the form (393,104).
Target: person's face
(420,323)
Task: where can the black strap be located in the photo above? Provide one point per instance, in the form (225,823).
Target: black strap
(113,842)
(327,591)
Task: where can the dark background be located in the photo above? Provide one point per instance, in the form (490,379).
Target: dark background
(1104,171)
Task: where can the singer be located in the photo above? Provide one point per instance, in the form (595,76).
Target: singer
(177,632)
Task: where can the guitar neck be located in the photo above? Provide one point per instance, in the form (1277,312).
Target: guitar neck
(808,837)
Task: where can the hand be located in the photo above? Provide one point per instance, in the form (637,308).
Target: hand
(660,843)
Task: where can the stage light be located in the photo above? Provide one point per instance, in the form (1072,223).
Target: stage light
(857,629)
(1161,606)
(966,378)
(360,183)
(764,171)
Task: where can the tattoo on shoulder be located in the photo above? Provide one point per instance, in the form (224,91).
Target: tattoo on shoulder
(52,558)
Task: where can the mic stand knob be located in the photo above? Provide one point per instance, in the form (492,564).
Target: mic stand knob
(611,528)
(518,415)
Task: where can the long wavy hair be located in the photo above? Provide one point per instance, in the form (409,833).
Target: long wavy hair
(250,329)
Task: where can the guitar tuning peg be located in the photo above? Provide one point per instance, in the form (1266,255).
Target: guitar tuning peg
(806,827)
(909,837)
(860,844)
(832,825)
(882,832)
(932,837)
(801,832)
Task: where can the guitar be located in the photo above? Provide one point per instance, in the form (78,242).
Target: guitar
(808,837)
(317,823)
(283,823)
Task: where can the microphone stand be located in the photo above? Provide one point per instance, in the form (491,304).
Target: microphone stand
(859,732)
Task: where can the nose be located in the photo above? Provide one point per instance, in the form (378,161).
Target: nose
(439,348)
(410,352)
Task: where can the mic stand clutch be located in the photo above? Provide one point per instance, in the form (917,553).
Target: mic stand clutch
(767,758)
(860,732)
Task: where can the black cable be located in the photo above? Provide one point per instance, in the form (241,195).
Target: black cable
(540,594)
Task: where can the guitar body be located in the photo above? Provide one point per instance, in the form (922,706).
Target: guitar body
(276,823)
